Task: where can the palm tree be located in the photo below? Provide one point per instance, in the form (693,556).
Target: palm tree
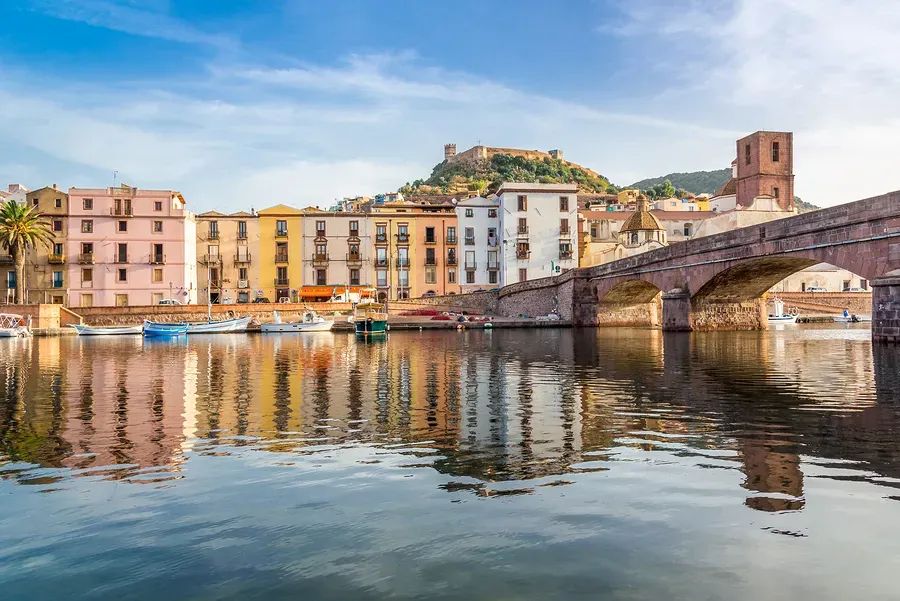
(21,228)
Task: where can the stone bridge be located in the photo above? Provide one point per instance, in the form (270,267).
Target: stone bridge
(719,282)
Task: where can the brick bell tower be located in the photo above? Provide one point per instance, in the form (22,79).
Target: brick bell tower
(765,165)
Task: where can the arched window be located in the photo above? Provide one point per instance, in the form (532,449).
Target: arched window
(634,238)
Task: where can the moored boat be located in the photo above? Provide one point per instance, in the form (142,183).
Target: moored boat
(84,330)
(164,329)
(852,318)
(370,319)
(237,324)
(780,316)
(14,326)
(310,322)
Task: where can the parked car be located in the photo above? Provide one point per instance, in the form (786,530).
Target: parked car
(816,289)
(226,300)
(169,301)
(429,294)
(261,299)
(856,290)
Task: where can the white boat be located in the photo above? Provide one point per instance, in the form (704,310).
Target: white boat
(108,331)
(311,322)
(779,316)
(14,326)
(852,318)
(238,324)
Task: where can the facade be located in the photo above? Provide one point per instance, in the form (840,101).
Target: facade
(765,166)
(480,243)
(128,246)
(336,248)
(823,275)
(16,193)
(281,253)
(538,223)
(227,257)
(45,272)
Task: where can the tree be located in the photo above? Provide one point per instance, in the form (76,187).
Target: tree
(22,228)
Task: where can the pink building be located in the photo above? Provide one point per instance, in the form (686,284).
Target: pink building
(127,246)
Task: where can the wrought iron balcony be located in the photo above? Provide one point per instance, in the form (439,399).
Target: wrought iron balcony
(380,238)
(402,237)
(121,212)
(565,233)
(470,266)
(522,230)
(157,259)
(431,240)
(565,255)
(121,259)
(431,260)
(320,260)
(281,258)
(381,262)
(241,259)
(493,265)
(215,284)
(470,241)
(281,233)
(402,263)
(213,235)
(211,259)
(354,259)
(451,260)
(523,254)
(86,258)
(451,239)
(282,282)
(56,259)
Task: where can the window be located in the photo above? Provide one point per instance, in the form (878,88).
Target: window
(320,228)
(403,279)
(431,275)
(123,226)
(523,202)
(775,153)
(565,250)
(403,257)
(523,251)
(747,154)
(470,235)
(354,252)
(87,275)
(381,277)
(87,204)
(281,273)
(57,300)
(58,248)
(122,275)
(563,226)
(213,230)
(121,300)
(451,235)
(212,250)
(492,260)
(87,300)
(354,277)
(58,203)
(281,228)
(87,248)
(846,285)
(564,204)
(380,232)
(451,256)
(523,275)
(634,238)
(470,259)
(242,230)
(492,213)
(451,276)
(593,231)
(57,225)
(469,212)
(864,284)
(470,277)
(157,274)
(281,251)
(242,273)
(321,251)
(121,253)
(157,206)
(158,256)
(320,277)
(381,256)
(402,232)
(687,230)
(523,225)
(354,228)
(10,279)
(214,277)
(429,235)
(775,192)
(492,236)
(430,257)
(492,277)
(87,226)
(157,227)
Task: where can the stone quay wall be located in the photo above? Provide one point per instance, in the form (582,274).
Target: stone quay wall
(122,316)
(886,309)
(476,302)
(44,316)
(855,302)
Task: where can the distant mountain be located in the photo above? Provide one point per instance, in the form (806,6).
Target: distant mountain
(803,206)
(696,182)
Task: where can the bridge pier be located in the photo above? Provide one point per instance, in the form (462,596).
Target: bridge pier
(676,309)
(681,313)
(886,308)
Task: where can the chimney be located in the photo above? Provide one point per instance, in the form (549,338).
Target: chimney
(55,187)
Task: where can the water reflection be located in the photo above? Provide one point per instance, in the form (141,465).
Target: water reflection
(486,408)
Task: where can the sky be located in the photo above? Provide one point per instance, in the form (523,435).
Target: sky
(248,103)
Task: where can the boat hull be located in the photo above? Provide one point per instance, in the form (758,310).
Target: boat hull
(158,330)
(112,331)
(853,319)
(368,327)
(285,328)
(238,324)
(783,319)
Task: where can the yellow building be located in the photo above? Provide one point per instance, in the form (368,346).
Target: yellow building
(626,196)
(227,257)
(280,252)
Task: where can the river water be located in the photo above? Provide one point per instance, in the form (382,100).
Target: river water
(513,464)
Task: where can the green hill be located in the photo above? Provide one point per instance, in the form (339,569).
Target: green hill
(696,182)
(486,175)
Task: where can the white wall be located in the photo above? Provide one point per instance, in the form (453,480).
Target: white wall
(190,259)
(480,222)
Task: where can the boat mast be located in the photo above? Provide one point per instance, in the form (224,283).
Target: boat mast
(208,295)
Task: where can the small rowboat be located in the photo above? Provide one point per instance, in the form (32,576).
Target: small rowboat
(238,324)
(164,329)
(311,322)
(111,331)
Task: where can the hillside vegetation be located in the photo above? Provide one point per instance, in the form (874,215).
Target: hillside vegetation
(695,182)
(486,175)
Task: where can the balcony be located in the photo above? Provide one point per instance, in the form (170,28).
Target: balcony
(354,260)
(471,266)
(121,259)
(157,259)
(493,265)
(121,212)
(213,236)
(281,258)
(215,284)
(430,260)
(380,238)
(320,260)
(281,233)
(56,259)
(451,239)
(402,238)
(211,259)
(431,240)
(522,231)
(354,236)
(282,282)
(402,263)
(242,235)
(86,258)
(565,255)
(451,260)
(523,254)
(492,241)
(381,262)
(565,233)
(242,259)
(5,259)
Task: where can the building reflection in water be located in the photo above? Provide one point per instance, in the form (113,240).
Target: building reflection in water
(502,406)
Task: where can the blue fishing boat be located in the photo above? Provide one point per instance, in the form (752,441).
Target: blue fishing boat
(370,319)
(164,329)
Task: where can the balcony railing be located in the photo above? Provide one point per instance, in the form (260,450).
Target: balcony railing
(492,241)
(380,238)
(451,260)
(354,234)
(381,262)
(354,259)
(241,258)
(213,236)
(242,235)
(565,233)
(402,263)
(121,212)
(402,237)
(493,265)
(281,258)
(523,254)
(451,239)
(282,282)
(211,259)
(320,259)
(86,258)
(281,233)
(121,259)
(215,284)
(565,254)
(471,265)
(321,234)
(56,258)
(431,240)
(522,230)
(157,259)
(431,260)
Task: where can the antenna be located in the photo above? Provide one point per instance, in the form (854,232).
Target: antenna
(115,175)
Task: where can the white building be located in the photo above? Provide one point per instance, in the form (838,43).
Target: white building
(539,228)
(16,192)
(480,243)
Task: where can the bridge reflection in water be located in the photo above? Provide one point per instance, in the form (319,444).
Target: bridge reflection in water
(498,413)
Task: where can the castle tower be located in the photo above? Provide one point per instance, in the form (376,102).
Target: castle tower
(449,151)
(765,165)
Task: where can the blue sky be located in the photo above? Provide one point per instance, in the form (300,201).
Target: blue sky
(246,103)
